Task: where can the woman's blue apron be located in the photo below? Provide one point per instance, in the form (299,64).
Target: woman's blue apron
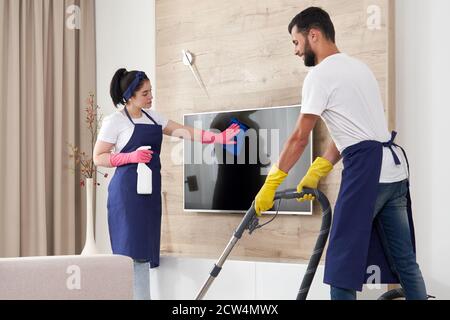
(134,219)
(355,240)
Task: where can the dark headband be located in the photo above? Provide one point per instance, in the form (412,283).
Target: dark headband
(132,87)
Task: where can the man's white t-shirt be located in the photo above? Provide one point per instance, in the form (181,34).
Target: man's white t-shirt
(118,129)
(345,93)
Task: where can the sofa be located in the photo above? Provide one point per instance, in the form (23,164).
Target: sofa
(93,277)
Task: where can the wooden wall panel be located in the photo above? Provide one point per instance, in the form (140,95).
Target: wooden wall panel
(245,57)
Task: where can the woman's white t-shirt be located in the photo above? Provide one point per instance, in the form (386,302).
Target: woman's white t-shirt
(118,129)
(345,93)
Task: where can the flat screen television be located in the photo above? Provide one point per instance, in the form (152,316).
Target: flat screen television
(227,178)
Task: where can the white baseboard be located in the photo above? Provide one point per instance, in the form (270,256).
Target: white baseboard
(182,278)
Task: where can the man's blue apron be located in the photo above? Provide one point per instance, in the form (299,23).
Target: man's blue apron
(135,220)
(355,240)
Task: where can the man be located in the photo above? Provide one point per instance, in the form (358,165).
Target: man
(372,226)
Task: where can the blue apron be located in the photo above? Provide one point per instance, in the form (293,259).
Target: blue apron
(134,219)
(356,241)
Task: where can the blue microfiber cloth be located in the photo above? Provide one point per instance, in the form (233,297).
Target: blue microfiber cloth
(235,149)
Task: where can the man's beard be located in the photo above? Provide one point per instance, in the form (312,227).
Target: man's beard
(310,56)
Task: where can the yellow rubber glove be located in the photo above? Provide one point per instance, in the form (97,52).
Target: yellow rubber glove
(265,196)
(320,168)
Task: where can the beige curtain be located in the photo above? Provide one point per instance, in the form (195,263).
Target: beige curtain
(47,69)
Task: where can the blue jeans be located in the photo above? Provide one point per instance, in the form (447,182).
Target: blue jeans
(141,284)
(392,215)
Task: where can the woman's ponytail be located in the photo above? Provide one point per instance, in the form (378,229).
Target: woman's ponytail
(116,89)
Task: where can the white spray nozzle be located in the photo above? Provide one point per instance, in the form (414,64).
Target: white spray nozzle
(145,148)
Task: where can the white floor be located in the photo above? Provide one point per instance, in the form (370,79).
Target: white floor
(182,278)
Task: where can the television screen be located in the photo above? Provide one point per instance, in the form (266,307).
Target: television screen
(227,178)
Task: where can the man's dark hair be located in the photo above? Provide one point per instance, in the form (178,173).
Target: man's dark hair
(314,17)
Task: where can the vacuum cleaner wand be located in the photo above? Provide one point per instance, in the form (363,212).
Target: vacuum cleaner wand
(251,222)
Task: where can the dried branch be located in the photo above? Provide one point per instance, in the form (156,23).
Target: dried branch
(82,160)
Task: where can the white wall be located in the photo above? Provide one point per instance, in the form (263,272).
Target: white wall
(423,113)
(125,39)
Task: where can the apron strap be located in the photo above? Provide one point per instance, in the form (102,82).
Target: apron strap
(128,115)
(406,158)
(148,116)
(389,145)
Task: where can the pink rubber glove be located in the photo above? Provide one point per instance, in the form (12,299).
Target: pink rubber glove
(224,137)
(139,156)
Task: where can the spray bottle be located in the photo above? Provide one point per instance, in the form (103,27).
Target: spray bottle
(144,176)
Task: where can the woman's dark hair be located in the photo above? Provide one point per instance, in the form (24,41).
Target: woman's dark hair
(120,82)
(314,17)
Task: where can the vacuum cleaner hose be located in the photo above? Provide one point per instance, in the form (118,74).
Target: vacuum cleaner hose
(321,239)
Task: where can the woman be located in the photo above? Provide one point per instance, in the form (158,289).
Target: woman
(135,219)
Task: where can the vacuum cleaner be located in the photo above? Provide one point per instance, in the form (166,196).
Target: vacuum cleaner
(250,222)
